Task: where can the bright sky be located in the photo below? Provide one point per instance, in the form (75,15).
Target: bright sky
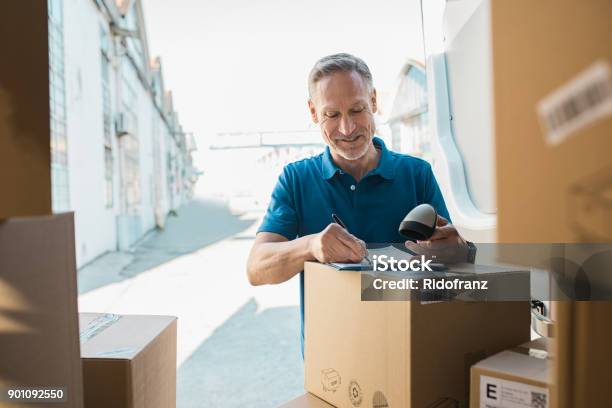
(242,64)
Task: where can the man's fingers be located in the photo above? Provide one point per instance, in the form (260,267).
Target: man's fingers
(442,233)
(434,250)
(353,246)
(363,249)
(416,248)
(336,251)
(350,240)
(345,246)
(441,221)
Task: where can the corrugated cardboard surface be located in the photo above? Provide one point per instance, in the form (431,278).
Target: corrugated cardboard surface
(306,401)
(38,306)
(405,353)
(555,193)
(25,169)
(131,363)
(537,48)
(581,367)
(513,365)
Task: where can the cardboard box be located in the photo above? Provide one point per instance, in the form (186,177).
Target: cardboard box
(398,353)
(556,186)
(515,377)
(553,120)
(25,140)
(39,344)
(306,401)
(582,358)
(129,361)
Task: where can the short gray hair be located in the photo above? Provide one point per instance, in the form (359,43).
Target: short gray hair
(341,62)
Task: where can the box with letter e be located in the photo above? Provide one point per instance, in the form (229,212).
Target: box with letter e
(513,378)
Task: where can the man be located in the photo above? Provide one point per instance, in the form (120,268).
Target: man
(369,187)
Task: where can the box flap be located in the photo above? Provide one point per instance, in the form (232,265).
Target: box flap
(119,336)
(306,400)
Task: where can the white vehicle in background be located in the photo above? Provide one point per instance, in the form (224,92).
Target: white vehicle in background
(458,52)
(459,98)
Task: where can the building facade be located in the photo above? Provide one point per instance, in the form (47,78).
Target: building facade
(120,158)
(408,119)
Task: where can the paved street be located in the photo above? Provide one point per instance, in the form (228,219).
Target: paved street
(238,345)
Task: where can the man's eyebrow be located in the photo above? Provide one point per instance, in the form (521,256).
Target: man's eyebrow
(333,108)
(329,108)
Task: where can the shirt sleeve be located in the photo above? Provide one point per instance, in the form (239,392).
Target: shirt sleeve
(432,194)
(281,216)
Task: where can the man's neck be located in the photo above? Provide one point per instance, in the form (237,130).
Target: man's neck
(359,168)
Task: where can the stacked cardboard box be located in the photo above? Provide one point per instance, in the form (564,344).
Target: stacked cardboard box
(123,361)
(515,377)
(25,178)
(398,353)
(128,361)
(39,344)
(38,297)
(552,69)
(39,326)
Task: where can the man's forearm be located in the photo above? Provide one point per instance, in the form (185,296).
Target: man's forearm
(276,262)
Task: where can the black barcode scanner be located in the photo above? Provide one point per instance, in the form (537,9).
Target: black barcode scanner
(420,223)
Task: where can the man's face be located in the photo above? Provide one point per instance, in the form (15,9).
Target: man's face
(343,107)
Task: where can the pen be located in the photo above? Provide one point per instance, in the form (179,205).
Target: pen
(338,221)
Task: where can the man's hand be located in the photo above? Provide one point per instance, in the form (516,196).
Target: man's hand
(445,245)
(335,244)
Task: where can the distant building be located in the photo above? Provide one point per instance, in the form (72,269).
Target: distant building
(120,158)
(408,118)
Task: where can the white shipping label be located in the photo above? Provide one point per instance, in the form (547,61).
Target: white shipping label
(498,393)
(585,99)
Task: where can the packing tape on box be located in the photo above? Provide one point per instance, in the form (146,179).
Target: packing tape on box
(97,325)
(530,351)
(118,352)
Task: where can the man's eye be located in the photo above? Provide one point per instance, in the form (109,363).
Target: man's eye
(331,115)
(357,110)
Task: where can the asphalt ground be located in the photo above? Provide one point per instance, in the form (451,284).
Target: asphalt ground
(238,345)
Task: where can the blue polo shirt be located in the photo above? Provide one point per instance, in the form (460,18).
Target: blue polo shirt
(310,190)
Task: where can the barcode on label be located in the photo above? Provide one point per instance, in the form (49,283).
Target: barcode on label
(538,400)
(583,100)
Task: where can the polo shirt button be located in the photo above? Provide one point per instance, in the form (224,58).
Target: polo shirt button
(353,187)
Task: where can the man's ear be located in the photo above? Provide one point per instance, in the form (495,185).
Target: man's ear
(373,101)
(313,111)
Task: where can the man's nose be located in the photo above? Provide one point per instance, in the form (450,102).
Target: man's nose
(346,126)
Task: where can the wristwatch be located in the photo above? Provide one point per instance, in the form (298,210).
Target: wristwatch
(471,256)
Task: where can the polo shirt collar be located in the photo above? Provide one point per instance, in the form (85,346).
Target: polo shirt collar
(328,167)
(385,167)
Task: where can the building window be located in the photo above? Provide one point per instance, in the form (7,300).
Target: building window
(409,119)
(130,144)
(57,102)
(107,117)
(134,45)
(108,175)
